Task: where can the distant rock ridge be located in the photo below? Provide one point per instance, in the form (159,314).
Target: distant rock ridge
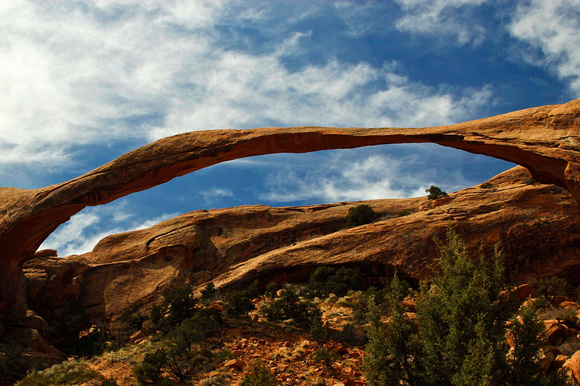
(543,139)
(537,226)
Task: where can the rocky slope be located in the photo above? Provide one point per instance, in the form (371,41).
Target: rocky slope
(543,139)
(537,225)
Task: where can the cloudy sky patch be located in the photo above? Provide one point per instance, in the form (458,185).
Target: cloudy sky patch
(83,82)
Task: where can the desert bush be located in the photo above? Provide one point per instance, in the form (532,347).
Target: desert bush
(325,356)
(549,288)
(320,332)
(65,373)
(461,334)
(208,293)
(131,320)
(259,375)
(253,290)
(289,306)
(272,289)
(359,215)
(238,304)
(486,185)
(151,368)
(14,364)
(326,280)
(403,213)
(435,192)
(180,304)
(108,382)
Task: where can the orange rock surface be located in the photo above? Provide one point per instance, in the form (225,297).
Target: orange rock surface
(538,226)
(543,139)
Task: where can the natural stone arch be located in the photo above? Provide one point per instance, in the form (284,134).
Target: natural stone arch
(546,140)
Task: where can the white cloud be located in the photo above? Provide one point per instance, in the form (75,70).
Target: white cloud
(87,73)
(84,230)
(441,19)
(339,178)
(553,27)
(214,193)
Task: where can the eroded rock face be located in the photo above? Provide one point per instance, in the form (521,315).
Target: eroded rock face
(544,139)
(236,246)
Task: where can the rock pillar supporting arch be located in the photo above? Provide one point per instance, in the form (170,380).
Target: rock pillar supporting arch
(546,140)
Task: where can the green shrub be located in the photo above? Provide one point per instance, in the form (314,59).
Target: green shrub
(252,291)
(109,382)
(180,305)
(259,375)
(72,333)
(325,357)
(151,368)
(486,185)
(549,288)
(435,192)
(326,280)
(208,293)
(131,320)
(289,306)
(320,332)
(460,338)
(238,304)
(14,364)
(403,213)
(65,373)
(272,289)
(359,215)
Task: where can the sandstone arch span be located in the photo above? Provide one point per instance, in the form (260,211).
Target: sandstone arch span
(546,140)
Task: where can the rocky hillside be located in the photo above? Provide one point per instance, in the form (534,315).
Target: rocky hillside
(537,225)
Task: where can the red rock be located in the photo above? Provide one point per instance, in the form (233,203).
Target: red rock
(556,333)
(572,366)
(523,292)
(409,304)
(545,361)
(559,361)
(235,363)
(543,139)
(137,335)
(570,305)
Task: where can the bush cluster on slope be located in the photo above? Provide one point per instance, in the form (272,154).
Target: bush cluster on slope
(460,338)
(359,215)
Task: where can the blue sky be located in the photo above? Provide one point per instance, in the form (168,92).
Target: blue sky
(82,82)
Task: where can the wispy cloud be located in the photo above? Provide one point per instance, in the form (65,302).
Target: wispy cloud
(212,194)
(442,19)
(84,230)
(339,177)
(553,28)
(85,73)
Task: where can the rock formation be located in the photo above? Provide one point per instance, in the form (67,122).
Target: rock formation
(236,246)
(544,139)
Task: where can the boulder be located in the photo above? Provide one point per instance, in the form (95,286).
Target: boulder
(572,366)
(556,333)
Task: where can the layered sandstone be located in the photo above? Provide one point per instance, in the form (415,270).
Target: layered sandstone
(544,139)
(537,225)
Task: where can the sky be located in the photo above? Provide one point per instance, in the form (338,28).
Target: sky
(83,82)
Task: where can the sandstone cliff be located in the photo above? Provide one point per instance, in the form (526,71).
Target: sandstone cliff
(543,139)
(537,225)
